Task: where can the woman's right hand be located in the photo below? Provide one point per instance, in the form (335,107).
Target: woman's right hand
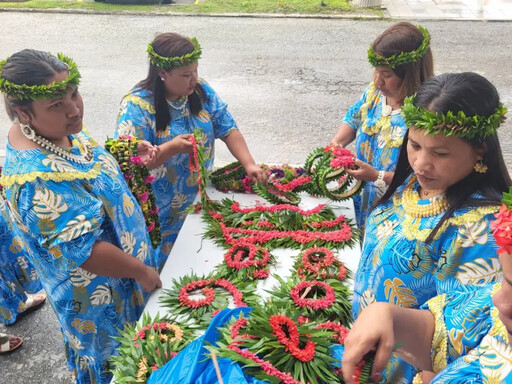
(335,144)
(372,331)
(182,144)
(149,279)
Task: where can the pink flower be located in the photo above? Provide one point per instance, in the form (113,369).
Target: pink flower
(144,197)
(136,160)
(149,179)
(502,229)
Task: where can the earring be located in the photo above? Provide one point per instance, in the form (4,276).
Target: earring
(480,167)
(27,130)
(162,79)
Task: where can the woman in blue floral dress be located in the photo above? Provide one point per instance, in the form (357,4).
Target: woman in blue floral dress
(68,198)
(164,109)
(430,233)
(403,60)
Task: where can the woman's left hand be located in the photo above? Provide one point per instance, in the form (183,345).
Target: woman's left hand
(363,171)
(147,152)
(256,174)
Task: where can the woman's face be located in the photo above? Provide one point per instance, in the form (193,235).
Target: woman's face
(56,118)
(180,81)
(503,298)
(440,161)
(388,82)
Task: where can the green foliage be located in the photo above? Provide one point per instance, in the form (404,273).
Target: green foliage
(175,62)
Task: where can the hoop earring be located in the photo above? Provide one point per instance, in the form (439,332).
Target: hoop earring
(27,130)
(480,167)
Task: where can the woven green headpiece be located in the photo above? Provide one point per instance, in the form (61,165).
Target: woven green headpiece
(460,125)
(45,91)
(177,61)
(396,60)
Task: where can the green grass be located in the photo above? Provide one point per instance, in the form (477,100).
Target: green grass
(204,6)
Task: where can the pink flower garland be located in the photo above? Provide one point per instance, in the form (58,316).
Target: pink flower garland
(245,255)
(340,331)
(502,229)
(290,339)
(209,292)
(318,259)
(235,207)
(315,304)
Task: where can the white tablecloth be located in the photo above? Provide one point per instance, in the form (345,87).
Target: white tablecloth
(193,253)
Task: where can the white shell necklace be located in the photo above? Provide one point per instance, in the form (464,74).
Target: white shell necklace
(178,105)
(386,108)
(87,158)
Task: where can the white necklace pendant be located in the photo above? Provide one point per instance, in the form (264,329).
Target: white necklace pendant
(178,105)
(386,108)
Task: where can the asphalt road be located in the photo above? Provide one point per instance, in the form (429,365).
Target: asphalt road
(288,82)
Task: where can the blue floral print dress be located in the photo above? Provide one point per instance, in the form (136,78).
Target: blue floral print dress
(378,140)
(174,187)
(398,267)
(470,344)
(17,275)
(62,209)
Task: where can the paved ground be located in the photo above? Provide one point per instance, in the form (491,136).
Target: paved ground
(449,9)
(288,83)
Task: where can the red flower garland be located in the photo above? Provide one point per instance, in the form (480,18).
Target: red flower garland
(328,223)
(287,334)
(502,229)
(292,185)
(340,331)
(209,292)
(318,259)
(235,207)
(315,304)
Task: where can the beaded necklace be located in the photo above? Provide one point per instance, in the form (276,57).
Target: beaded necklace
(86,158)
(178,105)
(411,198)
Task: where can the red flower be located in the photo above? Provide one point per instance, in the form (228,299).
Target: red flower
(340,331)
(502,229)
(136,160)
(314,304)
(149,179)
(287,334)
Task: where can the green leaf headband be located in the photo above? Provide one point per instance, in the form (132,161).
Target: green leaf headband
(176,61)
(396,60)
(44,91)
(460,125)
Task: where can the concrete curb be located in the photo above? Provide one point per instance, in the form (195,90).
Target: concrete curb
(348,16)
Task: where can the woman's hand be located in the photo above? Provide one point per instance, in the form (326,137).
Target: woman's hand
(149,279)
(372,331)
(336,144)
(182,144)
(256,174)
(147,152)
(363,171)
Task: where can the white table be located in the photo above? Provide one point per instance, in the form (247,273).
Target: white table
(193,253)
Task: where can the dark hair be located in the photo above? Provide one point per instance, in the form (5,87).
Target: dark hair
(474,95)
(405,37)
(170,45)
(30,67)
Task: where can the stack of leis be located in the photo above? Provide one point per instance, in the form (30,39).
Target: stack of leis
(283,183)
(321,301)
(245,261)
(319,263)
(124,150)
(196,167)
(273,346)
(278,226)
(147,347)
(327,166)
(502,226)
(215,295)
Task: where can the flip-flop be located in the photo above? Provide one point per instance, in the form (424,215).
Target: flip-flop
(33,302)
(6,346)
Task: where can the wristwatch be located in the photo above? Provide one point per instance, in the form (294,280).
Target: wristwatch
(380,183)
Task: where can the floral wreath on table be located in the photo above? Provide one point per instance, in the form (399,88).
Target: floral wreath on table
(44,91)
(148,346)
(402,58)
(216,294)
(231,178)
(317,300)
(244,261)
(272,345)
(175,61)
(138,178)
(459,125)
(318,263)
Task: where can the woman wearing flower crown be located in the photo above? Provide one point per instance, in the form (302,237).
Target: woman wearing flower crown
(430,233)
(164,109)
(402,60)
(464,335)
(68,198)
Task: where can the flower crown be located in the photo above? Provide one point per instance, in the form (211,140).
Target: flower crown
(398,59)
(460,125)
(176,61)
(44,91)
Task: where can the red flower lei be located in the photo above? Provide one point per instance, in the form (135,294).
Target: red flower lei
(315,304)
(287,334)
(245,255)
(208,291)
(316,261)
(339,330)
(235,207)
(502,229)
